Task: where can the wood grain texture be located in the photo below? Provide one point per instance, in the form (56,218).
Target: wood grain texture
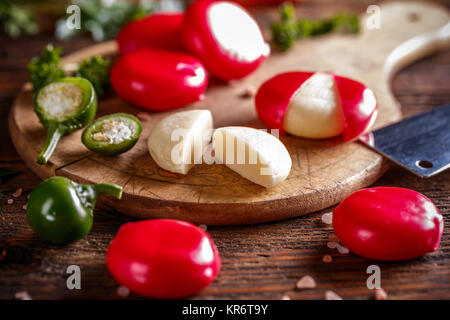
(323,172)
(261,261)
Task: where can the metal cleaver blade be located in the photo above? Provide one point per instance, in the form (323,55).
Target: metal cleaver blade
(421,143)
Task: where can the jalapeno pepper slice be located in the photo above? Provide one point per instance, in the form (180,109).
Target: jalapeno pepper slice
(112,134)
(63,106)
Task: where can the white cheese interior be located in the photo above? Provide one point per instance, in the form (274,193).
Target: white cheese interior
(255,154)
(236,32)
(176,143)
(60,99)
(115,131)
(314,111)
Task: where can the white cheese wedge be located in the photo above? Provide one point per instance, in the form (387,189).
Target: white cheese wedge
(255,154)
(314,111)
(176,142)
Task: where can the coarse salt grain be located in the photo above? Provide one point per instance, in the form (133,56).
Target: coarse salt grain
(327,218)
(203,227)
(123,291)
(10,201)
(333,237)
(22,295)
(380,294)
(331,295)
(307,282)
(285,298)
(342,249)
(332,244)
(327,258)
(18,193)
(25,206)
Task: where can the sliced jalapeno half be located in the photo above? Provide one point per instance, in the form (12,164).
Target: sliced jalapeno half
(63,106)
(112,134)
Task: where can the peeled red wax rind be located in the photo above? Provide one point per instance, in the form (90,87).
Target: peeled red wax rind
(254,154)
(225,37)
(314,111)
(278,98)
(359,106)
(388,224)
(176,143)
(274,95)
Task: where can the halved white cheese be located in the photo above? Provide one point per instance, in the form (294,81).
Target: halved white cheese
(176,142)
(314,111)
(236,31)
(255,154)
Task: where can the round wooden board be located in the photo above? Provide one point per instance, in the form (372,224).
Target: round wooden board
(323,172)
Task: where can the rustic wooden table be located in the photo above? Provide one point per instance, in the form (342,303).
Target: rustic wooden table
(258,262)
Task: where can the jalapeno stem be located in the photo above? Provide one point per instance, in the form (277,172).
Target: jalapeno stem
(54,133)
(108,189)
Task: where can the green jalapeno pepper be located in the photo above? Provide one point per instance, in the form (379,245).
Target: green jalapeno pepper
(60,211)
(63,106)
(112,134)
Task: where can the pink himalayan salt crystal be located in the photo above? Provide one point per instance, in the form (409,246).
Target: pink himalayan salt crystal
(380,294)
(331,295)
(123,291)
(332,245)
(18,193)
(306,282)
(327,258)
(327,218)
(342,249)
(333,237)
(22,295)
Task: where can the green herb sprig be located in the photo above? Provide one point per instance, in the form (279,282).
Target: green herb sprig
(46,68)
(286,31)
(16,19)
(102,19)
(96,70)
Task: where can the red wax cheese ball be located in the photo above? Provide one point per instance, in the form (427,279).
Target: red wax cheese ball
(166,259)
(256,3)
(388,224)
(159,31)
(158,79)
(224,36)
(358,103)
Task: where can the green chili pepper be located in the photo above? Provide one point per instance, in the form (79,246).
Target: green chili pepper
(63,106)
(60,211)
(112,134)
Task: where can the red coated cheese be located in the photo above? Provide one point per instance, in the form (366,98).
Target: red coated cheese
(158,79)
(388,224)
(358,103)
(225,37)
(166,259)
(158,31)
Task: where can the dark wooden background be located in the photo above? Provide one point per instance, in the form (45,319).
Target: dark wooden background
(258,262)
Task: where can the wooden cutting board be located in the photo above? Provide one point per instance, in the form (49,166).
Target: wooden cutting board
(323,172)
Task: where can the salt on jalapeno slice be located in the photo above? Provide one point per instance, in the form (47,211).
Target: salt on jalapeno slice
(63,106)
(112,134)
